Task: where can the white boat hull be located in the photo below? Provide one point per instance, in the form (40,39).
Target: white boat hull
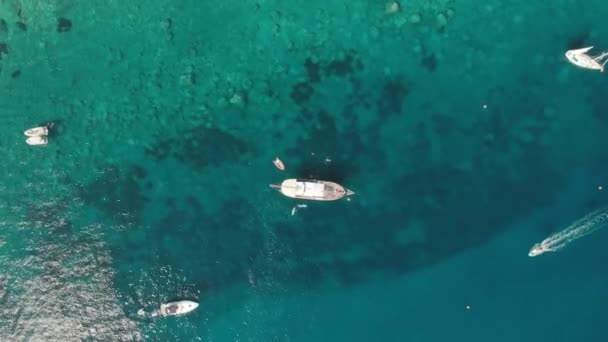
(315,190)
(37,131)
(37,140)
(580,58)
(181,307)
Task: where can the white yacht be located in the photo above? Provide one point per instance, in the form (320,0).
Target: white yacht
(315,190)
(177,308)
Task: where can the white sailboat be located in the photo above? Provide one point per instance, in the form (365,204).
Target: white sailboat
(580,58)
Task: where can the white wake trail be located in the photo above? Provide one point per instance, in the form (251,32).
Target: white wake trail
(583,227)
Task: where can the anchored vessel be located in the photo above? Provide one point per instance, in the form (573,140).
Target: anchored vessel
(580,58)
(37,131)
(177,308)
(38,140)
(171,309)
(315,190)
(38,135)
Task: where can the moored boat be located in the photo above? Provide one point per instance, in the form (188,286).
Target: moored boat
(177,308)
(279,164)
(580,58)
(37,140)
(315,190)
(37,131)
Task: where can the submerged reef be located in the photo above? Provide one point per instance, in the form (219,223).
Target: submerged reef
(169,130)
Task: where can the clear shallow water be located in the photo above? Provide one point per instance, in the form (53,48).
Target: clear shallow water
(155,184)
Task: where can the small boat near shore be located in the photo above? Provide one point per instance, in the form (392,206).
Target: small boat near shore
(177,308)
(181,307)
(37,140)
(39,135)
(37,131)
(315,190)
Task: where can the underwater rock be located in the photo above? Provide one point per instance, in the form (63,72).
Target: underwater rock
(116,194)
(343,65)
(429,61)
(374,32)
(525,137)
(21,25)
(201,147)
(313,69)
(188,77)
(442,20)
(138,172)
(392,7)
(237,100)
(64,25)
(548,113)
(392,97)
(3,27)
(168,27)
(3,50)
(301,93)
(16,74)
(415,18)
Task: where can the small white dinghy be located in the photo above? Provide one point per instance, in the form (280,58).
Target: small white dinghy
(37,140)
(580,58)
(37,131)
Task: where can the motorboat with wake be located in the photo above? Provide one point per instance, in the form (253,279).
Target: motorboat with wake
(177,308)
(315,190)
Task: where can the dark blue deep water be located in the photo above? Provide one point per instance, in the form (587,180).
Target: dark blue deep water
(460,125)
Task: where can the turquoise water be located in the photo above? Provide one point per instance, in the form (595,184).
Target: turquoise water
(465,134)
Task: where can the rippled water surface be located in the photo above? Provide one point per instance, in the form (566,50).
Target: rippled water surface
(464,132)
